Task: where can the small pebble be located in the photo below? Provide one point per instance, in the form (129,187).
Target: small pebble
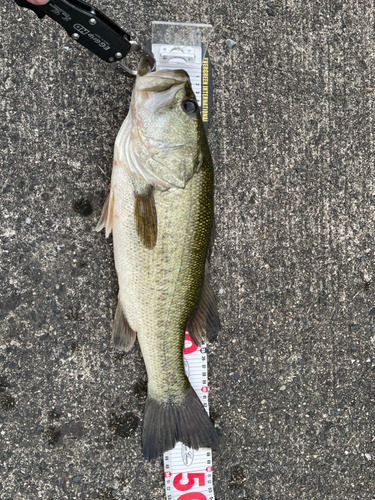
(230,43)
(221,291)
(368,456)
(76,479)
(282,388)
(28,220)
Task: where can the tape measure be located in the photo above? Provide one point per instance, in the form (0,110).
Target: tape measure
(188,472)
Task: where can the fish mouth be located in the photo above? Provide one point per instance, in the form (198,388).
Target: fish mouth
(160,81)
(145,70)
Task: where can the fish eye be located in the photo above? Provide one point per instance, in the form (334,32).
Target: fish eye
(189,106)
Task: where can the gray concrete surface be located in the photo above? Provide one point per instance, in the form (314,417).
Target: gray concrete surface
(292,373)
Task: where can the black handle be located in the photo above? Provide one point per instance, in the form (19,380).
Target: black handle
(87,25)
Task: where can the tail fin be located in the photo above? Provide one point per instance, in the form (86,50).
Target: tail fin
(166,424)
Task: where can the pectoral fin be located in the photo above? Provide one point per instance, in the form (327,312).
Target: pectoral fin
(106,218)
(123,336)
(145,217)
(205,324)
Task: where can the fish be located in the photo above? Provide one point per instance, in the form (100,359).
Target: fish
(160,210)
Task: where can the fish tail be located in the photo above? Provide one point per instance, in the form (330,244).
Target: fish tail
(165,424)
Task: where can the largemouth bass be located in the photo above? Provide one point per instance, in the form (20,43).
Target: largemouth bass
(160,210)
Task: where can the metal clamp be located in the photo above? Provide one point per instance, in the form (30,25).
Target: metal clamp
(143,51)
(184,53)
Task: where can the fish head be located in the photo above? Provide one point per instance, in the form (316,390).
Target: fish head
(166,127)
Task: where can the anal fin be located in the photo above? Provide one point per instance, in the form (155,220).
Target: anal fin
(106,218)
(205,324)
(145,217)
(122,334)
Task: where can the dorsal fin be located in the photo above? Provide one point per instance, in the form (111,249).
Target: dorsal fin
(205,324)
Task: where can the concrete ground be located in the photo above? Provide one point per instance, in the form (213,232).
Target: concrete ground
(292,372)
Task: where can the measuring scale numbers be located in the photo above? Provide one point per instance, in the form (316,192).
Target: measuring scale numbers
(188,472)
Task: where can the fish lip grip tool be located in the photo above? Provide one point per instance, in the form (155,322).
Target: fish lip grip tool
(94,30)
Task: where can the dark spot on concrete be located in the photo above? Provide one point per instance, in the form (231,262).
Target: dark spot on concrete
(52,436)
(74,313)
(140,390)
(119,355)
(329,426)
(83,207)
(3,384)
(73,430)
(42,466)
(237,477)
(77,479)
(8,402)
(106,494)
(123,426)
(54,414)
(354,328)
(372,312)
(11,303)
(214,415)
(74,346)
